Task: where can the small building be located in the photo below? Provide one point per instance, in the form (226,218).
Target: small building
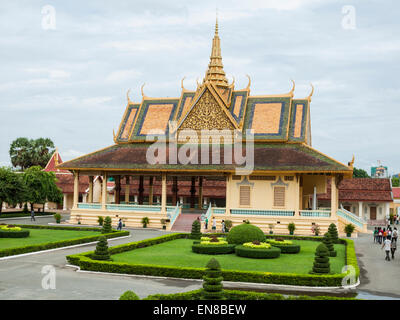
(395,205)
(368,198)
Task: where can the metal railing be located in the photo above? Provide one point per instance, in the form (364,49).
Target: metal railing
(315,213)
(173,214)
(351,217)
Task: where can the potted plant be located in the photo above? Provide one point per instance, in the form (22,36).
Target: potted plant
(271,227)
(100,220)
(164,224)
(291,228)
(315,229)
(57,216)
(145,222)
(349,228)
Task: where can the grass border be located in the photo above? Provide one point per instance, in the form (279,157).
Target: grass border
(84,261)
(59,244)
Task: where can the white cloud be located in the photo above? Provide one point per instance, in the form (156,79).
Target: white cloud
(95,101)
(123,75)
(70,154)
(51,73)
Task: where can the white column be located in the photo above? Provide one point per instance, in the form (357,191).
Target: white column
(104,192)
(46,206)
(84,198)
(334,197)
(228,196)
(164,194)
(181,200)
(136,199)
(360,209)
(314,199)
(387,210)
(90,189)
(76,189)
(4,206)
(65,202)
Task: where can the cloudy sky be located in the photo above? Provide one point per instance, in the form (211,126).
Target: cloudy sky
(67,78)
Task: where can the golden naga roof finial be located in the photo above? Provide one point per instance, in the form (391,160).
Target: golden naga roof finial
(198,83)
(312,92)
(183,88)
(141,89)
(114,136)
(294,86)
(127,96)
(351,163)
(233,82)
(249,84)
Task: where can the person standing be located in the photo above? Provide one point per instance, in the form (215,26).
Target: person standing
(223,226)
(393,247)
(119,227)
(206,223)
(394,234)
(33,215)
(387,244)
(375,234)
(380,235)
(214,224)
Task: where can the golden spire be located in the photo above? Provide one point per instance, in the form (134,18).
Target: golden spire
(215,72)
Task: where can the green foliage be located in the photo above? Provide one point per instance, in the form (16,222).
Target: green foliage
(228,225)
(25,210)
(213,249)
(57,216)
(321,260)
(129,295)
(26,153)
(245,233)
(333,233)
(270,253)
(395,182)
(100,220)
(107,228)
(212,281)
(101,252)
(329,244)
(12,188)
(349,228)
(196,230)
(360,173)
(145,222)
(23,233)
(291,227)
(330,280)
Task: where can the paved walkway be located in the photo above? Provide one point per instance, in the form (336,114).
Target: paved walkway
(378,277)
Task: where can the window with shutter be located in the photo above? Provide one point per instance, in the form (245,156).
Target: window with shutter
(244,195)
(279,196)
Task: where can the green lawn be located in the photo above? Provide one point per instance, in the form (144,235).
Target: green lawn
(40,236)
(179,253)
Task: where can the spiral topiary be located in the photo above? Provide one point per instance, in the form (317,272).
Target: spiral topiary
(101,252)
(245,233)
(321,260)
(212,286)
(334,233)
(107,228)
(196,233)
(327,240)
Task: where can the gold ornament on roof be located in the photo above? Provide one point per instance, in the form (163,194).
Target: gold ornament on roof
(312,92)
(127,96)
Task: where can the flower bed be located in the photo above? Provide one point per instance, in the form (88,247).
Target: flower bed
(11,231)
(257,252)
(286,246)
(213,245)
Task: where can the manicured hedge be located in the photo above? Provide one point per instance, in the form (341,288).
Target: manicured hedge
(213,249)
(245,233)
(85,263)
(14,234)
(59,244)
(5,215)
(270,253)
(289,248)
(239,295)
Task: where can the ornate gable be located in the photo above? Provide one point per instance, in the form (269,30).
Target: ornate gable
(207,114)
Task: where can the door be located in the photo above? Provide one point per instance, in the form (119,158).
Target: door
(346,208)
(372,213)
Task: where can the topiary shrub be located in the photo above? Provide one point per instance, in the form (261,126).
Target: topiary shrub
(196,233)
(101,252)
(334,233)
(129,295)
(228,225)
(100,220)
(107,228)
(321,260)
(245,233)
(213,249)
(212,281)
(328,242)
(57,217)
(271,253)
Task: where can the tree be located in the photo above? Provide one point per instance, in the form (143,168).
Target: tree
(26,153)
(107,228)
(321,260)
(395,182)
(212,286)
(11,187)
(333,233)
(360,173)
(329,244)
(41,186)
(101,252)
(196,233)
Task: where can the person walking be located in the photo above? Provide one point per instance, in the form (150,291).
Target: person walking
(375,234)
(33,215)
(223,226)
(393,247)
(395,234)
(214,224)
(384,234)
(206,224)
(387,244)
(380,235)
(119,227)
